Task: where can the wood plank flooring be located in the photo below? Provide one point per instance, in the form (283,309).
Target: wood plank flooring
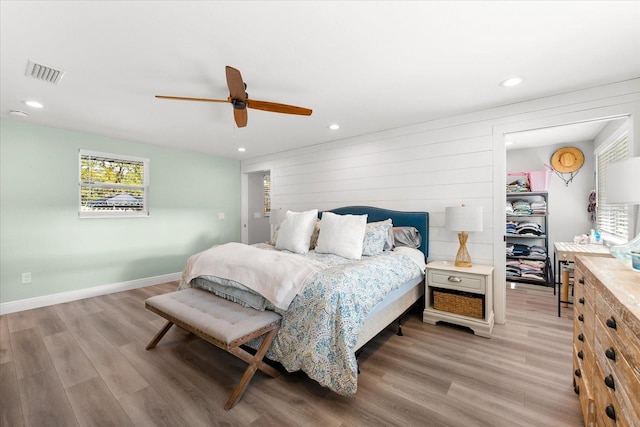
(83,363)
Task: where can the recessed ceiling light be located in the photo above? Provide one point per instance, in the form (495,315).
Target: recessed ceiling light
(511,81)
(334,126)
(33,104)
(242,149)
(508,143)
(18,113)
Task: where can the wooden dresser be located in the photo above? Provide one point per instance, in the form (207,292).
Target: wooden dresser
(606,341)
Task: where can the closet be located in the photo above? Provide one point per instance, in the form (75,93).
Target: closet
(527,238)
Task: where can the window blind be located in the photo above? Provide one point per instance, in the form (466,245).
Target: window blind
(611,218)
(112,185)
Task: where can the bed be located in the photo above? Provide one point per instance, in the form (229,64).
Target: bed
(401,299)
(341,305)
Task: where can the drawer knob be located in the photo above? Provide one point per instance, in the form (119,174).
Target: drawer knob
(576,389)
(578,373)
(581,337)
(454,279)
(610,411)
(581,317)
(609,382)
(580,355)
(581,300)
(610,353)
(611,322)
(581,280)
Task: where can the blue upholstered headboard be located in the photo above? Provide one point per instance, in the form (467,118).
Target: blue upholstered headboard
(419,220)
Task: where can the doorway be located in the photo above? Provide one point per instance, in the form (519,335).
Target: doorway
(531,150)
(258,206)
(554,122)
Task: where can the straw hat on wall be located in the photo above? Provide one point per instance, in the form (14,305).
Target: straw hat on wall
(567,160)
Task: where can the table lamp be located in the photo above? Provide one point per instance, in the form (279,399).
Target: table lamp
(462,219)
(623,188)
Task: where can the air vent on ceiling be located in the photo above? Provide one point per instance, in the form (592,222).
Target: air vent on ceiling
(44,73)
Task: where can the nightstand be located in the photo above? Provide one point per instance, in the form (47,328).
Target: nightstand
(462,296)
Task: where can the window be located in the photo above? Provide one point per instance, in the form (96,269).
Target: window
(266,183)
(612,219)
(112,185)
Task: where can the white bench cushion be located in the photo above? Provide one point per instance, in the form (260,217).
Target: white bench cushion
(215,316)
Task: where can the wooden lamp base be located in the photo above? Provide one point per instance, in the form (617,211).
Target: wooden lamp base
(463,259)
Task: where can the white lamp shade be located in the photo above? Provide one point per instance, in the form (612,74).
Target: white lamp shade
(463,218)
(623,182)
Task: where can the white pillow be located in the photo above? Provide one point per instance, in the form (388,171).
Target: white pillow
(342,235)
(295,231)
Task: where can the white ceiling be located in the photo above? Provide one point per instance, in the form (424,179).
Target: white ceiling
(368,66)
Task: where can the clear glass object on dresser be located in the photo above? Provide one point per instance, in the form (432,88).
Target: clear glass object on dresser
(527,238)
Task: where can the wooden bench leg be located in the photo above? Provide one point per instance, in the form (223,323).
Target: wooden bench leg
(255,362)
(159,335)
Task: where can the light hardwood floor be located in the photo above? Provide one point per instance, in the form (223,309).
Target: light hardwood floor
(84,363)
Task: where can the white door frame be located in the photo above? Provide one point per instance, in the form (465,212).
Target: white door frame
(631,110)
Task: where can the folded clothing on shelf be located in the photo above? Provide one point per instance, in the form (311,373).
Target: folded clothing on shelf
(518,249)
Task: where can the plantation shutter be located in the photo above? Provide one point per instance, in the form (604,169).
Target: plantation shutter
(266,182)
(611,218)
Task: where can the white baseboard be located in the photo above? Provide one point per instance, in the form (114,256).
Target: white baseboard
(45,300)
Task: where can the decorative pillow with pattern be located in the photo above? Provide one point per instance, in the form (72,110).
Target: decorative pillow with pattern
(376,237)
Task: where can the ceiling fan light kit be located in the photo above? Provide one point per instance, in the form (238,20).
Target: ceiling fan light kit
(239,99)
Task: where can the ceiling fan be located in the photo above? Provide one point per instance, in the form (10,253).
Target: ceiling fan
(239,98)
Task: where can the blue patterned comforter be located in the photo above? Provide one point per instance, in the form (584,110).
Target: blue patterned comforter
(320,328)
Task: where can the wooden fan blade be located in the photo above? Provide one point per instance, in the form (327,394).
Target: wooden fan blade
(278,108)
(237,88)
(184,98)
(240,116)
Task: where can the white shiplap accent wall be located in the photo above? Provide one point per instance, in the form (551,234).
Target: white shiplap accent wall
(429,166)
(401,169)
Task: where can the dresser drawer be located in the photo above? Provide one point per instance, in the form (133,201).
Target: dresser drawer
(622,337)
(584,389)
(456,280)
(584,284)
(615,366)
(607,409)
(583,323)
(588,358)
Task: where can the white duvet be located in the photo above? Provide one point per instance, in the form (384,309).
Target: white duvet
(278,276)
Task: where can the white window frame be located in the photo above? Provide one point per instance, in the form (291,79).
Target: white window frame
(115,213)
(617,210)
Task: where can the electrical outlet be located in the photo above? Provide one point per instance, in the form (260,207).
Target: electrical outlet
(26,278)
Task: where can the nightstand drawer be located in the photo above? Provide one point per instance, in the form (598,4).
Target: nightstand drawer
(457,280)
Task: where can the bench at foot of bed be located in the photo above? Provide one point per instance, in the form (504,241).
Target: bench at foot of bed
(223,323)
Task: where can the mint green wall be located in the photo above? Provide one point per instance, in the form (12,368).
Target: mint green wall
(40,231)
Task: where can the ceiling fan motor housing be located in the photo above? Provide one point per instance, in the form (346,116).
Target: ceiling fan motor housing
(239,105)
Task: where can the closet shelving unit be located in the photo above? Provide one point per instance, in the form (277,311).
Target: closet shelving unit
(529,240)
